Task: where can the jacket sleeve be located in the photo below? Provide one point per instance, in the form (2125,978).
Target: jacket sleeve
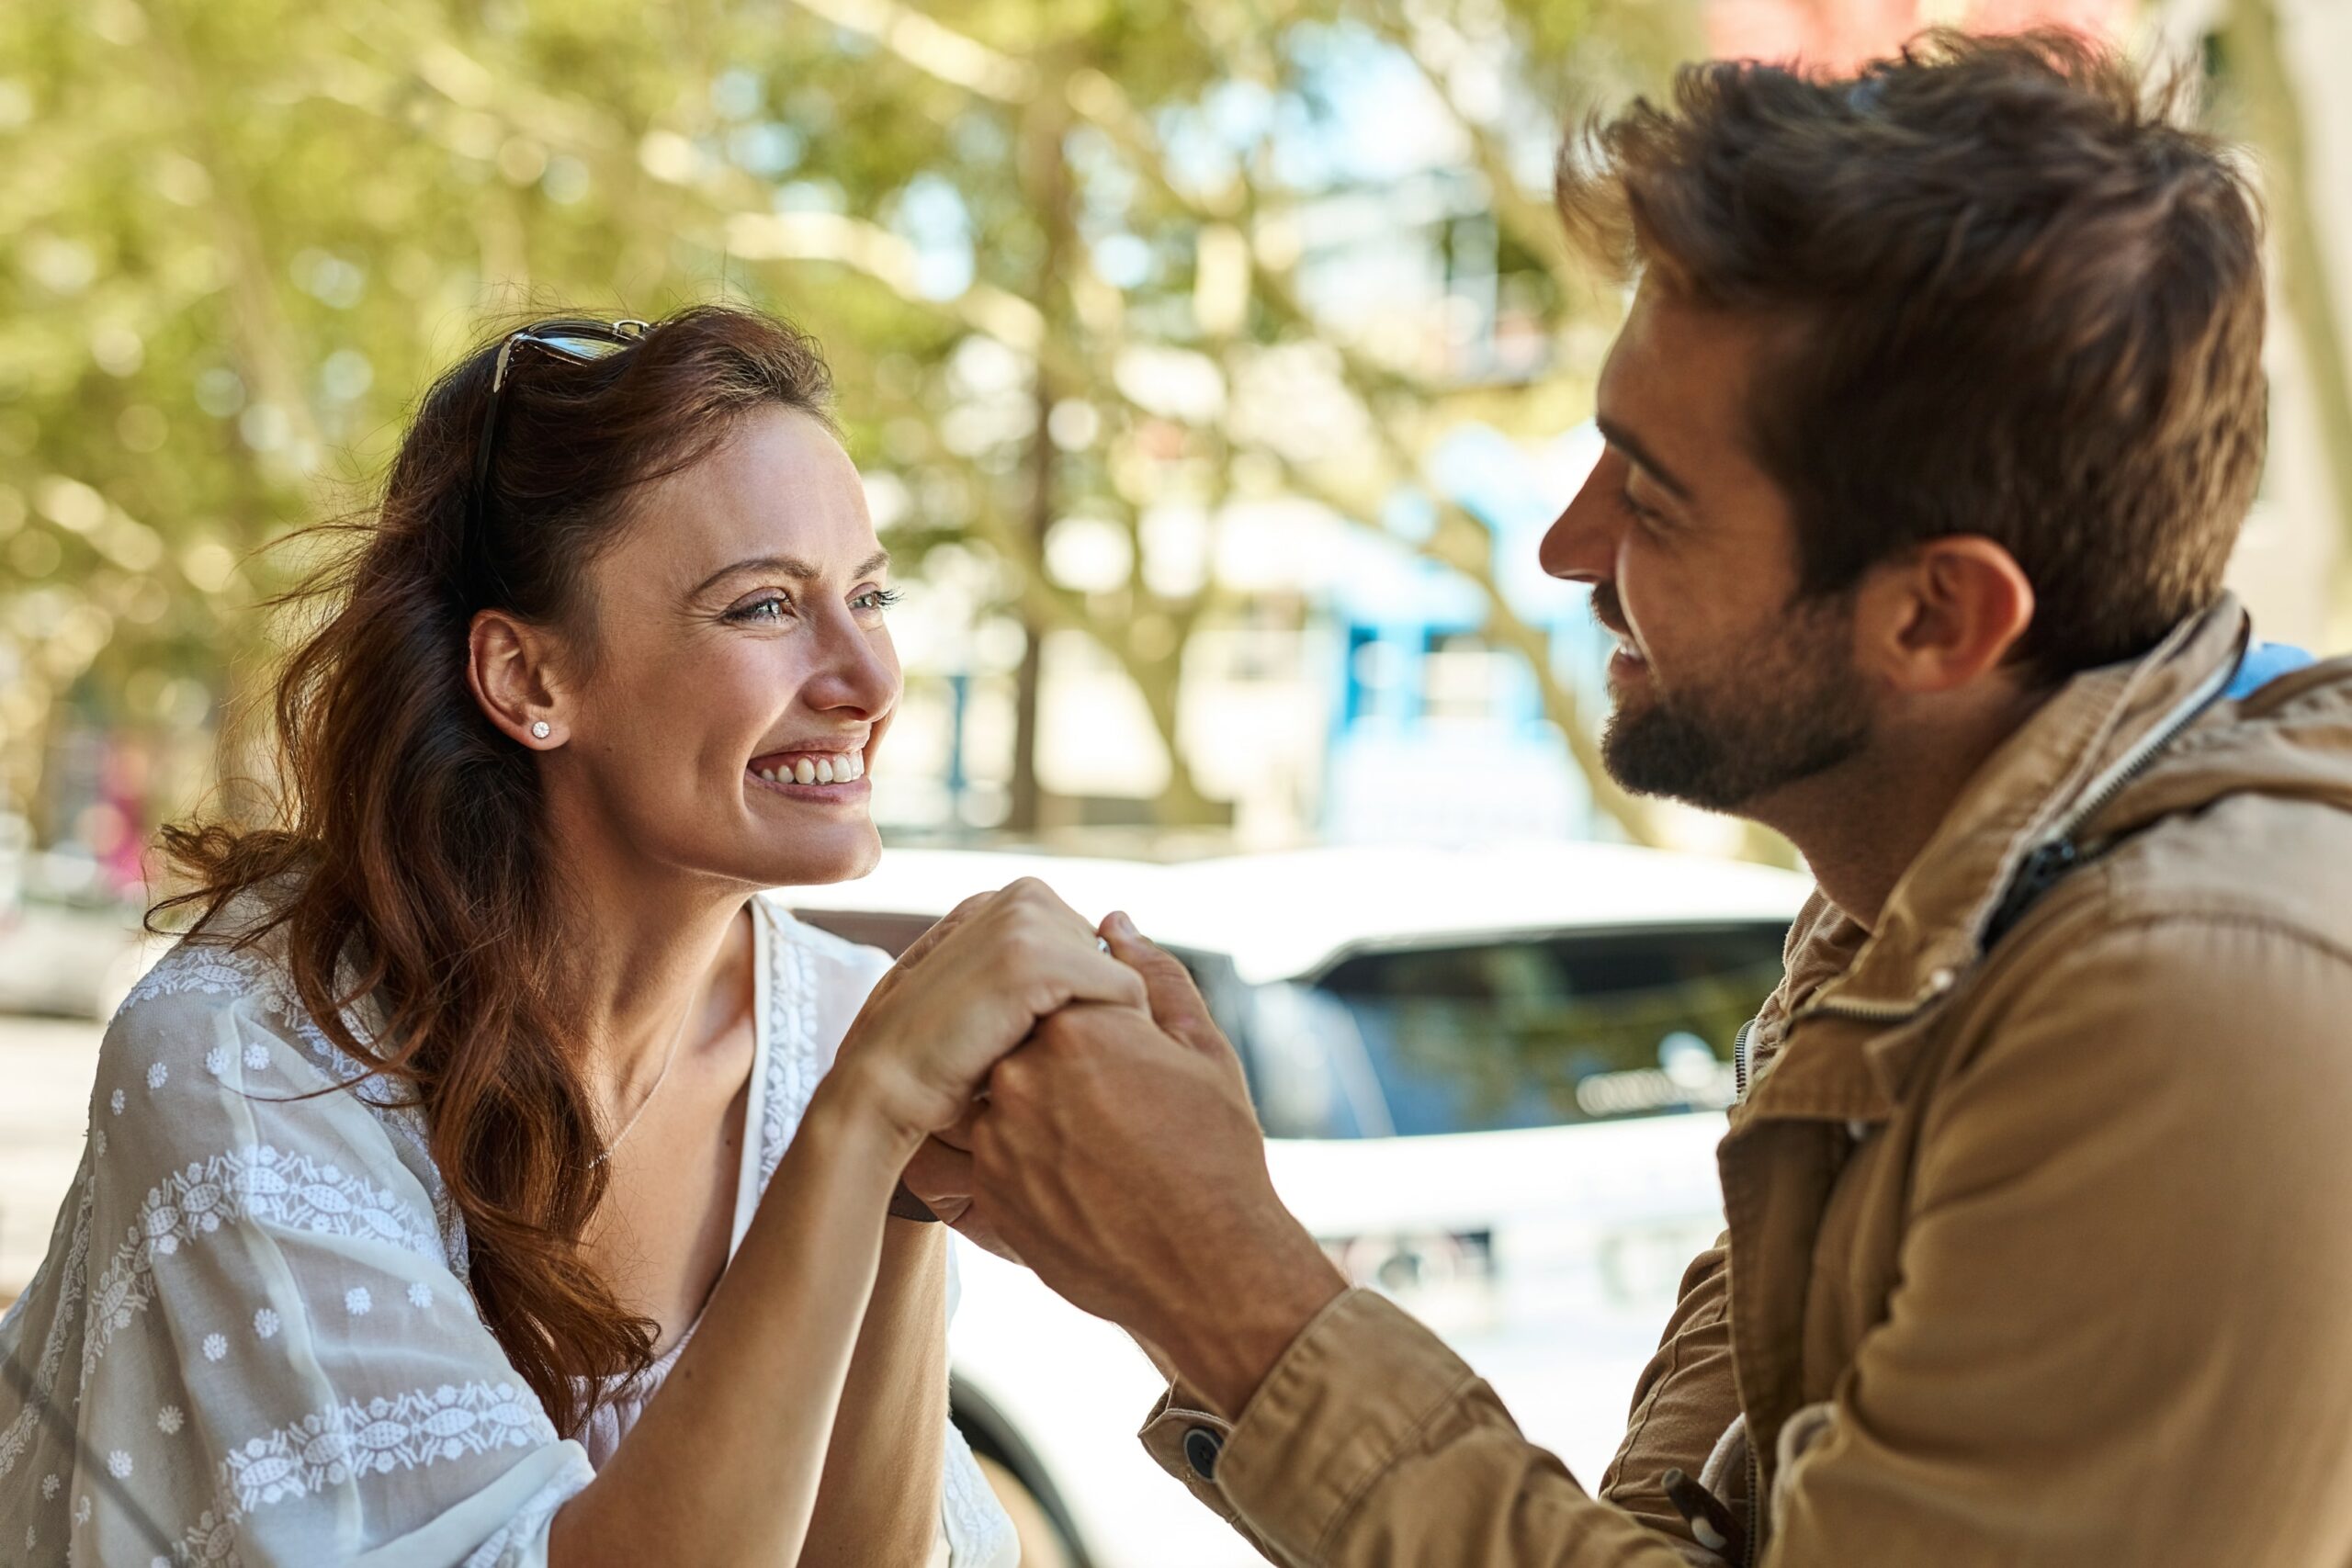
(1685,1399)
(2122,1289)
(2119,1335)
(1372,1443)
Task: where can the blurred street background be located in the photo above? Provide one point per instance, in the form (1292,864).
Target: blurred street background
(1214,365)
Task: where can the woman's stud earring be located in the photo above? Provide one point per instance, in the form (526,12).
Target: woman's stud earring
(538,729)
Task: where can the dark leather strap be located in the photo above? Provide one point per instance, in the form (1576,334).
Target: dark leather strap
(905,1205)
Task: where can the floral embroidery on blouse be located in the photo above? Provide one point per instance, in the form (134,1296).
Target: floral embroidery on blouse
(329,1447)
(261,1182)
(209,1204)
(17,1433)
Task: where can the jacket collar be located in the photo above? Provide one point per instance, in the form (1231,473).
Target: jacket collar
(1930,933)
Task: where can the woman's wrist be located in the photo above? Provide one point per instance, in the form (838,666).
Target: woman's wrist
(851,1109)
(910,1248)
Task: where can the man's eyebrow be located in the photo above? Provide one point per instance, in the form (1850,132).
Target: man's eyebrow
(787,566)
(1624,440)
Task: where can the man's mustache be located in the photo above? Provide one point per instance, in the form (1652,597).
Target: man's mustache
(1607,611)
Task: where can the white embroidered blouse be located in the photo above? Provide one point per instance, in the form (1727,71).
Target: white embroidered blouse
(252,1341)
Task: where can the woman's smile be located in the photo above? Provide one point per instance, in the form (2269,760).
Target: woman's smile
(836,776)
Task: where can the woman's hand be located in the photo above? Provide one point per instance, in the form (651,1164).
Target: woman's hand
(964,995)
(940,1174)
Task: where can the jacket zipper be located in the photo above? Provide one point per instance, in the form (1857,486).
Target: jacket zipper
(1754,1546)
(2043,865)
(1739,1043)
(1748,1548)
(2136,761)
(2060,851)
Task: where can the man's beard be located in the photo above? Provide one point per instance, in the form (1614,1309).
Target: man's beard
(1764,717)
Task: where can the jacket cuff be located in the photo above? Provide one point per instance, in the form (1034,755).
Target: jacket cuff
(1346,1400)
(1184,1438)
(1187,1438)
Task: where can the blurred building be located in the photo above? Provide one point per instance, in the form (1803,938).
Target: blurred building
(1840,33)
(1348,687)
(2291,565)
(1344,686)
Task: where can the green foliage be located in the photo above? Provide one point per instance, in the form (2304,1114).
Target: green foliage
(240,236)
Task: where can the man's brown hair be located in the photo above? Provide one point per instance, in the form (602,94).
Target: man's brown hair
(2017,299)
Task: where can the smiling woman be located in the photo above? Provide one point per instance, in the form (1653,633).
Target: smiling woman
(505,1177)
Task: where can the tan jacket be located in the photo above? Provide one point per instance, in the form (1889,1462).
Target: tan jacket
(2037,1256)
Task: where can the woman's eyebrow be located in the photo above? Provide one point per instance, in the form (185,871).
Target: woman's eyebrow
(787,566)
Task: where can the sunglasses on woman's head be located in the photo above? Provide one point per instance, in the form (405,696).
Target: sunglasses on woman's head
(581,339)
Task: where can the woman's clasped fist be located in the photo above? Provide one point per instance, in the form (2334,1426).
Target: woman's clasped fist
(967,992)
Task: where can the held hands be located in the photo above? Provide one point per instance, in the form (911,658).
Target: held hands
(1116,1152)
(1117,1156)
(969,990)
(941,1173)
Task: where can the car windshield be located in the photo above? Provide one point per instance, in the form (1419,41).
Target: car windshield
(1536,1031)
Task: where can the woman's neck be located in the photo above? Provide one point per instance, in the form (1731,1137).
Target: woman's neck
(659,970)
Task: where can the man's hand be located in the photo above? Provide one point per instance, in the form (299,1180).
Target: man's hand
(1118,1156)
(941,1175)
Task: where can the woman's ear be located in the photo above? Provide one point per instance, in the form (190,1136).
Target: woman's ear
(510,666)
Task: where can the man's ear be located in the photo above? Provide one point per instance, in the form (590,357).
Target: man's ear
(1945,615)
(510,665)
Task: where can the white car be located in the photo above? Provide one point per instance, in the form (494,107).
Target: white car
(1492,1081)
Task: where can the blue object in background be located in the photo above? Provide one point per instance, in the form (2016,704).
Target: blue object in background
(2264,663)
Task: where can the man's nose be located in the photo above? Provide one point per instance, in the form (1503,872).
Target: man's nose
(1581,544)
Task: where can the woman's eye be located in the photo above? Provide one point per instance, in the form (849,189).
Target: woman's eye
(876,599)
(767,607)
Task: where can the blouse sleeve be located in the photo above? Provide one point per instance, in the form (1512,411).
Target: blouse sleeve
(279,1364)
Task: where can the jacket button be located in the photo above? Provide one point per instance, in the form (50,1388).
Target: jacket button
(1201,1445)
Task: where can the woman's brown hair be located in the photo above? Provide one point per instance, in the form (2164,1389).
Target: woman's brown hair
(408,862)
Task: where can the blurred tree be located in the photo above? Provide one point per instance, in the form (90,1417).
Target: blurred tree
(1054,249)
(1168,139)
(2263,94)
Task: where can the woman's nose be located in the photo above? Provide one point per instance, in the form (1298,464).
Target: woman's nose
(860,670)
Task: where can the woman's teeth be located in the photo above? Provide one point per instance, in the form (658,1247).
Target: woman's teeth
(842,769)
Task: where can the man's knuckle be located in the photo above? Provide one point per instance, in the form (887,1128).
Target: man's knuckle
(1009,1085)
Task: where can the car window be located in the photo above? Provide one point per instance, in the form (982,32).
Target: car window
(1533,1031)
(893,933)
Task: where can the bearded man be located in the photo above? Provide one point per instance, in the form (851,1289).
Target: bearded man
(1938,410)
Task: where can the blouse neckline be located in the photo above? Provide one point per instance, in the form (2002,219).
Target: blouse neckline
(747,1171)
